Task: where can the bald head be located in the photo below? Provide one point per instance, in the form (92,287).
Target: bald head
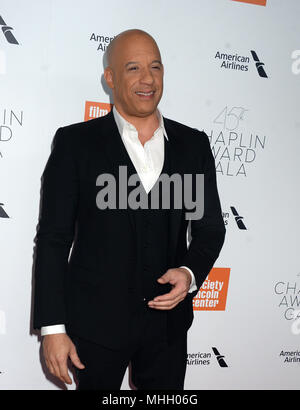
(134,72)
(122,41)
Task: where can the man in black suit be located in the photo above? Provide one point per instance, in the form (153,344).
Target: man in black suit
(124,293)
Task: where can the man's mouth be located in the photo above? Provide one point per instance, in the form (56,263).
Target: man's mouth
(145,94)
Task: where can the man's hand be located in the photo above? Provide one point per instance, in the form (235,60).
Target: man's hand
(181,279)
(57,348)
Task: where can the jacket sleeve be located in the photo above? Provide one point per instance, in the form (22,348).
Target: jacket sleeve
(208,232)
(55,232)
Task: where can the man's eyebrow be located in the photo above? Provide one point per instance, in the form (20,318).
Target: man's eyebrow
(136,62)
(131,62)
(157,61)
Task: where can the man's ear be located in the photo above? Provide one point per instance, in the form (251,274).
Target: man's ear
(108,75)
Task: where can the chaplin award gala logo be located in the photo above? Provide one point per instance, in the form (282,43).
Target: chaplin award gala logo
(296,63)
(288,297)
(288,293)
(10,121)
(234,149)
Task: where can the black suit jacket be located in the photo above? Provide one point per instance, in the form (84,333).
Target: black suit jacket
(87,289)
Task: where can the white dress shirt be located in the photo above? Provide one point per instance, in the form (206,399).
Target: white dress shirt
(148,161)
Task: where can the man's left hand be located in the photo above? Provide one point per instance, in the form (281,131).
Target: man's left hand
(180,279)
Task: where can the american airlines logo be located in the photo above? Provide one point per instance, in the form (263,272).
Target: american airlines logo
(102,41)
(219,357)
(205,358)
(3,214)
(259,65)
(240,62)
(7,31)
(238,218)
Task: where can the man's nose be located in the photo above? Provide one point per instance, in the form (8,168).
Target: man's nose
(147,76)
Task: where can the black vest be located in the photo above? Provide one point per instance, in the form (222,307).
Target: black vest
(152,236)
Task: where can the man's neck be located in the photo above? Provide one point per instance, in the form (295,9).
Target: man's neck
(145,126)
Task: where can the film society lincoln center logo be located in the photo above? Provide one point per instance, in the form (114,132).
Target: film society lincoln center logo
(257,2)
(96,109)
(213,293)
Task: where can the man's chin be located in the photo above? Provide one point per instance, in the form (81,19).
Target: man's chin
(145,110)
(139,109)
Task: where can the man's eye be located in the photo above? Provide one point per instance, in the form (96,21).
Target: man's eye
(133,68)
(156,67)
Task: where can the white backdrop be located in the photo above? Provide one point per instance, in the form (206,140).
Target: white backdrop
(253,124)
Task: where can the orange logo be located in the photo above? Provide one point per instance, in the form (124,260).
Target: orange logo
(259,2)
(96,109)
(213,293)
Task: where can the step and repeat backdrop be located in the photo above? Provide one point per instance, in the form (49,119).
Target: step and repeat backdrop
(232,69)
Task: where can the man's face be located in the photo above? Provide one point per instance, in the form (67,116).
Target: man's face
(136,76)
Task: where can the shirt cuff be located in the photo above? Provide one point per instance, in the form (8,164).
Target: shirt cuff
(51,330)
(193,285)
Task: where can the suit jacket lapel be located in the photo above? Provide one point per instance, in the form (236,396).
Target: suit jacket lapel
(176,166)
(118,156)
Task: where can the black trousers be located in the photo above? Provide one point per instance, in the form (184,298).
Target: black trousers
(153,363)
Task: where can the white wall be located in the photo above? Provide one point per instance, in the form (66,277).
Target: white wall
(46,80)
